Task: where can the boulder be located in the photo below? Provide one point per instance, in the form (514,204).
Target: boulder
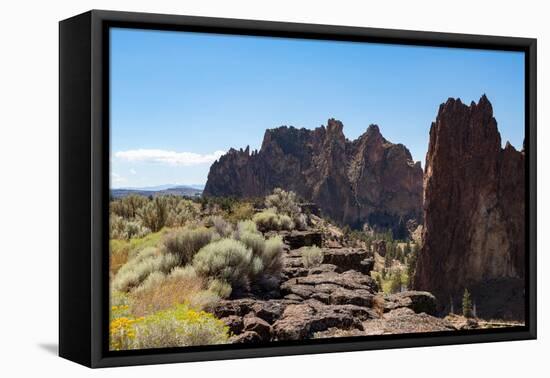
(417,301)
(247,337)
(236,307)
(258,325)
(268,310)
(323,268)
(461,322)
(357,297)
(367,265)
(297,239)
(348,259)
(302,321)
(235,324)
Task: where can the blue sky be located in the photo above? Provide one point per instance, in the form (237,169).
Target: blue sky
(178,99)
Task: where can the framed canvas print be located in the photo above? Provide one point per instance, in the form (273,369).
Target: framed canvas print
(235,188)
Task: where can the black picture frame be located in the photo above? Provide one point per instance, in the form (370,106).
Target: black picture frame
(84,185)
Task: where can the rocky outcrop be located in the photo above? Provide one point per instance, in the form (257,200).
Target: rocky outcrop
(334,299)
(337,260)
(296,239)
(349,259)
(255,324)
(417,301)
(368,180)
(301,321)
(405,320)
(474,212)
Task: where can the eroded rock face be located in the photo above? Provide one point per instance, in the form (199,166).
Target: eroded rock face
(368,180)
(474,209)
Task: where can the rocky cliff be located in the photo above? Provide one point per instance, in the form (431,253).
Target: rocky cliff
(474,213)
(368,180)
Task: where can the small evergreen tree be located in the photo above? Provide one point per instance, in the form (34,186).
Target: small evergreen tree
(390,253)
(411,262)
(467,304)
(379,281)
(407,250)
(396,282)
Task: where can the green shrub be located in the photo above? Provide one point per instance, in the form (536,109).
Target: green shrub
(220,288)
(122,228)
(134,229)
(185,243)
(186,273)
(155,213)
(226,259)
(128,207)
(247,226)
(270,220)
(286,222)
(222,227)
(284,202)
(153,280)
(136,270)
(255,242)
(267,220)
(300,221)
(203,300)
(116,226)
(183,213)
(272,256)
(312,256)
(241,211)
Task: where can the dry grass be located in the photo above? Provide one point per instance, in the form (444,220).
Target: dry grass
(378,304)
(117,260)
(164,294)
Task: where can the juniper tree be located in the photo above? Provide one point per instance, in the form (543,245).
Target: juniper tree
(467,304)
(411,262)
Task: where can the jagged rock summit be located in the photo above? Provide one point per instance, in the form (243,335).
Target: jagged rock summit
(368,180)
(474,213)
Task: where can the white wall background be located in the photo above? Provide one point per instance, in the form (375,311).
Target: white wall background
(29,186)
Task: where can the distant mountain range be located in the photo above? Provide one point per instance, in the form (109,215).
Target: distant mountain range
(167,189)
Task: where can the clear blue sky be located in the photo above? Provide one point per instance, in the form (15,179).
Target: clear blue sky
(178,99)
